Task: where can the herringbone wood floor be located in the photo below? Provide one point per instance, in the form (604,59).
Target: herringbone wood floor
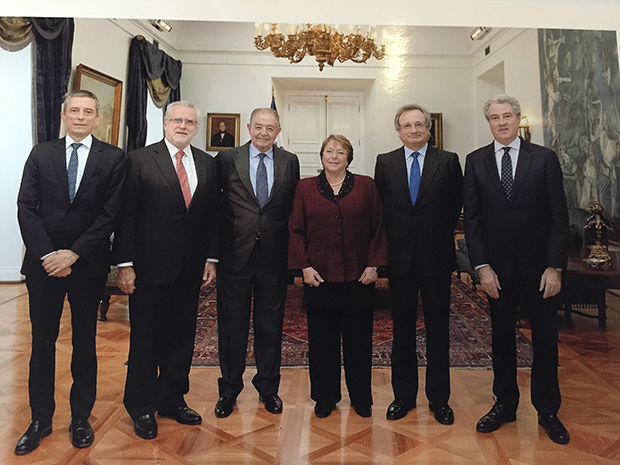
(590,381)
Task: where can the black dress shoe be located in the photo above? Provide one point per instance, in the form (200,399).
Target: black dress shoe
(32,437)
(323,410)
(554,428)
(443,413)
(145,426)
(224,407)
(182,414)
(363,411)
(82,434)
(399,408)
(273,403)
(497,416)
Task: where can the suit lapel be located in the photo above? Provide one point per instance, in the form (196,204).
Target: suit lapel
(523,163)
(279,171)
(400,168)
(94,155)
(242,164)
(431,163)
(201,174)
(491,166)
(162,158)
(59,157)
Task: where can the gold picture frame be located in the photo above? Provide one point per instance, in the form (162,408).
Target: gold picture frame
(109,91)
(232,123)
(436,130)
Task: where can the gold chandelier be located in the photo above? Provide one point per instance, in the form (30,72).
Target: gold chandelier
(322,41)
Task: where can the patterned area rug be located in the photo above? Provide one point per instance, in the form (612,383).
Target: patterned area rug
(470,330)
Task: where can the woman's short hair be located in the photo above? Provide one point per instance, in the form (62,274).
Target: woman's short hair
(342,141)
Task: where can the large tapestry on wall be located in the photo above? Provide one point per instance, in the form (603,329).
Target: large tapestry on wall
(580,87)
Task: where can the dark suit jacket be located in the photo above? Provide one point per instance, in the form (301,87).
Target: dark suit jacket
(529,233)
(228,141)
(48,221)
(421,236)
(243,220)
(157,232)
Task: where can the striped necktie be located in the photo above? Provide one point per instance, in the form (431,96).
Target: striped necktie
(414,178)
(72,170)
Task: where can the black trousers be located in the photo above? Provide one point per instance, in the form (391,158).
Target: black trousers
(261,289)
(542,314)
(435,293)
(335,311)
(163,327)
(46,299)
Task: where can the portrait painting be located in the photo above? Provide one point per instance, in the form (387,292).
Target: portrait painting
(223,130)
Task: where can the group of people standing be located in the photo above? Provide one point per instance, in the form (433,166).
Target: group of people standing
(179,215)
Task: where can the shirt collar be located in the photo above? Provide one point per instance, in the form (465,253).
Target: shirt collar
(254,151)
(422,151)
(173,150)
(86,142)
(515,144)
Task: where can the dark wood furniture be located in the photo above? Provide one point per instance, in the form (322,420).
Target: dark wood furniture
(586,285)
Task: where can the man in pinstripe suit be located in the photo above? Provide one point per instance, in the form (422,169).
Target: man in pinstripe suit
(421,187)
(166,246)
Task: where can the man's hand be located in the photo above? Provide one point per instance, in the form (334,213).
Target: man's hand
(208,276)
(126,279)
(59,263)
(369,275)
(311,276)
(550,282)
(489,281)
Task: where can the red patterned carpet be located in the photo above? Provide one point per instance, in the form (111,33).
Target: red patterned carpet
(470,330)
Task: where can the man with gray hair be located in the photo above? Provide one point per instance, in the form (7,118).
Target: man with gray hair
(166,246)
(516,226)
(68,204)
(421,187)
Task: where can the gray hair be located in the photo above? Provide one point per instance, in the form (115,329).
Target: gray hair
(79,93)
(181,103)
(266,110)
(502,98)
(415,106)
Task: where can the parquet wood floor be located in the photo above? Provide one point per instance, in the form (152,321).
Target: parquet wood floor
(590,382)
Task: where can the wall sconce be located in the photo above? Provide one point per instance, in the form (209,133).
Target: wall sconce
(479,33)
(161,25)
(524,129)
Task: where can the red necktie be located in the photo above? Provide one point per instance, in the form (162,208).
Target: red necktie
(182,174)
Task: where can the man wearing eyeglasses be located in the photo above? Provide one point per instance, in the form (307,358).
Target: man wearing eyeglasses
(166,246)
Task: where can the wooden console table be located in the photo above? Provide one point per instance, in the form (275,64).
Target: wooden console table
(582,283)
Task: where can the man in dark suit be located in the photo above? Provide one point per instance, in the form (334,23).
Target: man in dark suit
(166,245)
(222,138)
(516,225)
(258,183)
(68,204)
(421,187)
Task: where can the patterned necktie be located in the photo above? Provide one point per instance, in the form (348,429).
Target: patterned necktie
(414,178)
(182,174)
(262,188)
(507,173)
(72,170)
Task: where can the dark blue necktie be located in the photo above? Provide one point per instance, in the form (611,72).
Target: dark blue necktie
(507,173)
(72,170)
(414,178)
(262,188)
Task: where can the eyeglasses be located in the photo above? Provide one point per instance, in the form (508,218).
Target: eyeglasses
(188,122)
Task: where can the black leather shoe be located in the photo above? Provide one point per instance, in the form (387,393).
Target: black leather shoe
(32,437)
(554,428)
(443,413)
(497,416)
(273,403)
(82,434)
(399,408)
(323,410)
(182,414)
(364,412)
(224,407)
(145,426)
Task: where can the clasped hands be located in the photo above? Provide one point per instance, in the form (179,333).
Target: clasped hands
(550,282)
(126,278)
(58,264)
(313,278)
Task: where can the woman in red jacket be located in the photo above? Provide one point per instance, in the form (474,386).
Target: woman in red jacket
(337,239)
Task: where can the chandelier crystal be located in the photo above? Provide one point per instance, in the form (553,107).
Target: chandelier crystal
(325,43)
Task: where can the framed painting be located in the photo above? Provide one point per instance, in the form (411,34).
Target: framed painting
(109,92)
(436,130)
(223,130)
